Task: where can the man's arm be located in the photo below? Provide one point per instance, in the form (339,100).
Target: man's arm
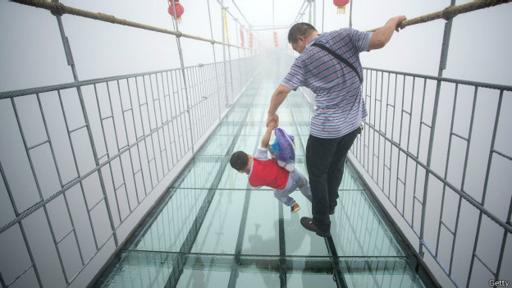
(382,35)
(277,99)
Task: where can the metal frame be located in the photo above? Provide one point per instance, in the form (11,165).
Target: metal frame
(374,149)
(279,263)
(165,136)
(155,121)
(155,153)
(374,159)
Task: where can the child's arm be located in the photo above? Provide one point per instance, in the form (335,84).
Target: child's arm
(266,137)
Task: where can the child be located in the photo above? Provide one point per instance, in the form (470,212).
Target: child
(264,171)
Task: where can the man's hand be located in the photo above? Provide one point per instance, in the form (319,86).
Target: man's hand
(381,36)
(398,20)
(271,124)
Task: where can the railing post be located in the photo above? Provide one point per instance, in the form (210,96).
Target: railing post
(323,14)
(231,72)
(309,12)
(227,46)
(214,60)
(71,63)
(442,66)
(350,14)
(183,74)
(314,13)
(224,27)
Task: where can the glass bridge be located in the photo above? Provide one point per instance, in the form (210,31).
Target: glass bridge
(213,230)
(124,180)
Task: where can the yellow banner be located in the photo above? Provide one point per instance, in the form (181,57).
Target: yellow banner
(225,24)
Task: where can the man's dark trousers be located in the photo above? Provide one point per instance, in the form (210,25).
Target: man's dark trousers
(325,160)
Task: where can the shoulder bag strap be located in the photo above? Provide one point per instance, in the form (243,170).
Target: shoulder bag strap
(339,57)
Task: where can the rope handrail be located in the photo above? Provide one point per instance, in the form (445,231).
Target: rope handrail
(451,11)
(60,9)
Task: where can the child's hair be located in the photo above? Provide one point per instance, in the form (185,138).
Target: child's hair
(239,160)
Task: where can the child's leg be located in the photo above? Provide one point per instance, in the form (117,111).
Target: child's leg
(302,184)
(284,196)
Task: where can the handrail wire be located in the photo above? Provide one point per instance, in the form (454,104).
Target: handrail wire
(447,13)
(60,9)
(451,11)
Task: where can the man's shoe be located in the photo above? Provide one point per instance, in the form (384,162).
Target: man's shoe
(295,207)
(307,223)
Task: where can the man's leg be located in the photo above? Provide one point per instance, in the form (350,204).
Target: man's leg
(319,153)
(337,167)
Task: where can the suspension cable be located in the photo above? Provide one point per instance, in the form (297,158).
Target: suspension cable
(226,8)
(58,8)
(304,4)
(242,14)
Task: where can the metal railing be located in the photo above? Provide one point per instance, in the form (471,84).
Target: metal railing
(140,132)
(467,166)
(81,163)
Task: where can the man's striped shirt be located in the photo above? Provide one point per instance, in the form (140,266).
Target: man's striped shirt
(339,107)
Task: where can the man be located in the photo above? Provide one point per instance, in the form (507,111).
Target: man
(339,107)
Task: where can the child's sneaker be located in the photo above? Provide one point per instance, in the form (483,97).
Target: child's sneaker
(295,207)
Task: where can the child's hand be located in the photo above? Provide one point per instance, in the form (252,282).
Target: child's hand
(272,124)
(273,118)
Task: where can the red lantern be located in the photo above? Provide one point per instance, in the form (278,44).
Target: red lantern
(175,9)
(341,5)
(251,40)
(242,37)
(276,42)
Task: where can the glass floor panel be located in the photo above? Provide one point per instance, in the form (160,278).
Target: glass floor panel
(213,230)
(261,235)
(168,230)
(357,230)
(219,231)
(232,179)
(226,129)
(216,146)
(143,269)
(392,272)
(201,174)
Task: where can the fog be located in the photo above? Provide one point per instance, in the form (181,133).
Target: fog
(32,55)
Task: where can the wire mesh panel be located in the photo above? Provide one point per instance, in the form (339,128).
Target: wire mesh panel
(438,153)
(78,160)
